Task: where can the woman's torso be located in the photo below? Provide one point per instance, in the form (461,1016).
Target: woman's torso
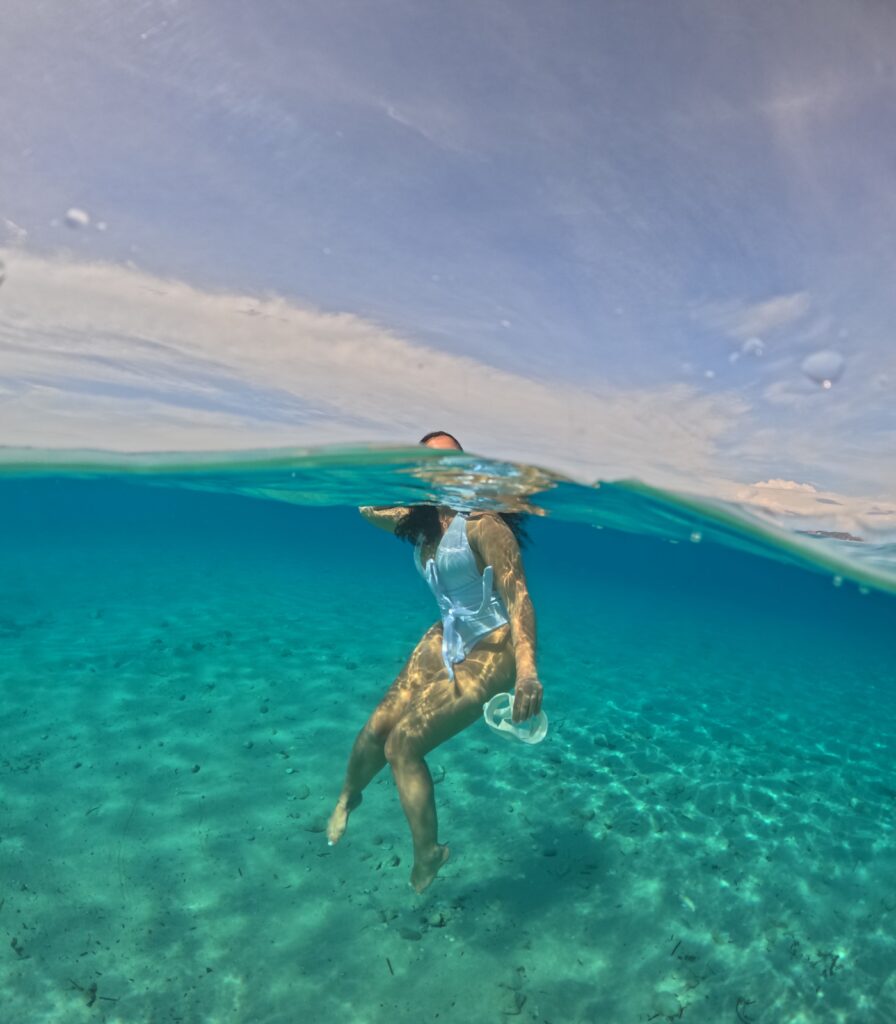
(463,588)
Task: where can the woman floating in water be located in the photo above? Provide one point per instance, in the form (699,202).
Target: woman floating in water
(483,645)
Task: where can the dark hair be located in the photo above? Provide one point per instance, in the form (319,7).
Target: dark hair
(422,523)
(440,433)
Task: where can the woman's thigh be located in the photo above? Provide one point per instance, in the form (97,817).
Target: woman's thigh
(441,707)
(422,669)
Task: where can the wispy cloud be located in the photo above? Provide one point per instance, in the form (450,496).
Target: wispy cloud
(172,366)
(437,125)
(742,320)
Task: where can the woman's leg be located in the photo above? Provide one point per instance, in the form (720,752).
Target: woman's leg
(368,753)
(440,711)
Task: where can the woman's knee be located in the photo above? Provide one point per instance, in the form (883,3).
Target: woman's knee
(377,729)
(384,718)
(401,744)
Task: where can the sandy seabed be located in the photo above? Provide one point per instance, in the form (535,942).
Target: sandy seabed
(697,840)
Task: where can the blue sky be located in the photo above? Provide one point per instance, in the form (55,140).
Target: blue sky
(626,199)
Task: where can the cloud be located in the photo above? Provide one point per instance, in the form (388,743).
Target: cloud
(785,485)
(11,233)
(807,507)
(103,355)
(746,321)
(792,391)
(439,126)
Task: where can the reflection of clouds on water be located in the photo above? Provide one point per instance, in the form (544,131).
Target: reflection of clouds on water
(803,506)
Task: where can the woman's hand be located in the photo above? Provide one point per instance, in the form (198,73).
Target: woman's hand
(527,699)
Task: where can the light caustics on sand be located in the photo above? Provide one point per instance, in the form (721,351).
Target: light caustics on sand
(396,475)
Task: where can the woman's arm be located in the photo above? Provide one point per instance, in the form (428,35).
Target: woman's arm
(498,547)
(386,517)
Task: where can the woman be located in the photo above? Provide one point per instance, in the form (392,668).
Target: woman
(483,645)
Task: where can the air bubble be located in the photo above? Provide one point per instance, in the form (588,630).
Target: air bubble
(696,537)
(824,367)
(864,591)
(837,581)
(76,218)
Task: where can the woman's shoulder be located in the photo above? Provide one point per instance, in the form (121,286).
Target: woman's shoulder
(483,523)
(498,529)
(483,515)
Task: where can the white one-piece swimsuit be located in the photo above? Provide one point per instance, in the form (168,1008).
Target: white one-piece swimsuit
(467,599)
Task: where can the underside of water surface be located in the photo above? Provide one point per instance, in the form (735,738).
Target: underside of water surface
(191,643)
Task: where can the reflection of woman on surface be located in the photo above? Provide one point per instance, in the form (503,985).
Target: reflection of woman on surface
(483,645)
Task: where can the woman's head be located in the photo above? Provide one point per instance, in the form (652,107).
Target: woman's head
(441,439)
(422,521)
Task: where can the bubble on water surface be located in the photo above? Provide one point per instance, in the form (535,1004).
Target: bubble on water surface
(77,218)
(696,537)
(824,367)
(751,347)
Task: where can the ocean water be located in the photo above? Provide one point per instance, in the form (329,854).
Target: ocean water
(189,646)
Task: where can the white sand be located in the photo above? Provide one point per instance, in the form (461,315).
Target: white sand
(697,849)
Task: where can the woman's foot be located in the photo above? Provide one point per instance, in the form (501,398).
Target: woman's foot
(339,818)
(426,868)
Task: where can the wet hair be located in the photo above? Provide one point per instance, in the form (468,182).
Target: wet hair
(439,433)
(422,521)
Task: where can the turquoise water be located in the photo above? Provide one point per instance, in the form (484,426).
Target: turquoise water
(190,646)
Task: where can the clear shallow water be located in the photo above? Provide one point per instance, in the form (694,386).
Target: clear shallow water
(707,830)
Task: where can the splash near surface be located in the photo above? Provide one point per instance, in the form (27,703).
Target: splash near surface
(706,830)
